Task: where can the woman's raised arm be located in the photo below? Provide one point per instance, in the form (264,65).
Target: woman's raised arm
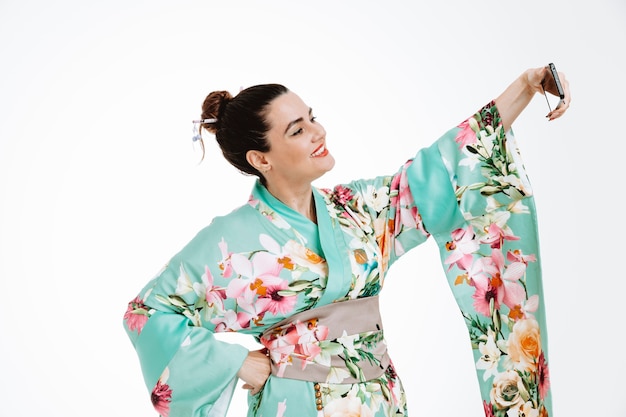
(516,97)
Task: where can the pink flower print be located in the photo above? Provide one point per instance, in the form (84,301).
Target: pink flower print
(257,289)
(496,235)
(300,340)
(256,275)
(136,315)
(232,321)
(467,135)
(310,331)
(308,342)
(281,345)
(498,283)
(224,263)
(215,296)
(279,304)
(253,201)
(253,306)
(514,292)
(518,256)
(525,309)
(283,255)
(161,397)
(281,408)
(406,212)
(543,376)
(463,246)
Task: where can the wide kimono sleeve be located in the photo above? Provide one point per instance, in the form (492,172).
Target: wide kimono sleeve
(475,199)
(186,369)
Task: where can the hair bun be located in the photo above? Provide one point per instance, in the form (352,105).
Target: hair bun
(213,108)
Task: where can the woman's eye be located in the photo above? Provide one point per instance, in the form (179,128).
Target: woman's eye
(301,130)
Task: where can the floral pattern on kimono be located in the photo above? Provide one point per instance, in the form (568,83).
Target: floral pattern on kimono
(263,263)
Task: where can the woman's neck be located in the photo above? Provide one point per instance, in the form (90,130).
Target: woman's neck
(299,199)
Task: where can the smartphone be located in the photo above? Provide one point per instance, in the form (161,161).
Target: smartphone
(557,82)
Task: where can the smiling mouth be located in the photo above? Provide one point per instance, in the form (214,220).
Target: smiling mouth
(321,151)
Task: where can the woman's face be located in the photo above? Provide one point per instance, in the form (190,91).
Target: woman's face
(298,153)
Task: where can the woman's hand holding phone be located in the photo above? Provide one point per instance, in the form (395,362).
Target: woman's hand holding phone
(554,83)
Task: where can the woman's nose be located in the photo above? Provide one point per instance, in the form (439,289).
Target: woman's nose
(319,130)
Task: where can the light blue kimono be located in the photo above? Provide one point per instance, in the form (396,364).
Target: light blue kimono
(264,262)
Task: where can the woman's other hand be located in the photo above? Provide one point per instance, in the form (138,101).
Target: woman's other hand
(255,370)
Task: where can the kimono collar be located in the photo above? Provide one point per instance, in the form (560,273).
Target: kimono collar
(284,216)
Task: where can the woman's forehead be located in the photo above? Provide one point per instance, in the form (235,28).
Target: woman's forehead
(286,108)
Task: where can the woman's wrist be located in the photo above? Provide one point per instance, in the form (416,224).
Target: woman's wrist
(516,97)
(526,79)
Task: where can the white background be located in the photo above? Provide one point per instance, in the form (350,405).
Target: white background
(100,184)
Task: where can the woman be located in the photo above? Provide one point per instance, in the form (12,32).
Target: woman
(300,268)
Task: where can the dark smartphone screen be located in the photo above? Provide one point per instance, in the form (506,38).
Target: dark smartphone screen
(555,76)
(559,87)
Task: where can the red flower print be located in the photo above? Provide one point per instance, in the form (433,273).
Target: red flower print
(543,376)
(486,115)
(485,293)
(488,407)
(161,398)
(392,377)
(341,195)
(136,315)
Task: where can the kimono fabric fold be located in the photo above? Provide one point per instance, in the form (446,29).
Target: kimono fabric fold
(309,292)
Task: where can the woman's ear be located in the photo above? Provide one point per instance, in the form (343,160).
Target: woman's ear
(258,160)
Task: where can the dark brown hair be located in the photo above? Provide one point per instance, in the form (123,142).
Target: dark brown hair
(241,124)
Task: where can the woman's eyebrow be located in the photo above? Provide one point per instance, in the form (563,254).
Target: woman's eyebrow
(298,120)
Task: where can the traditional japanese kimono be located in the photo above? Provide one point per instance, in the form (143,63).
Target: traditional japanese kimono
(308,292)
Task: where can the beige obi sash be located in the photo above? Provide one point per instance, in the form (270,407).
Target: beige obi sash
(336,343)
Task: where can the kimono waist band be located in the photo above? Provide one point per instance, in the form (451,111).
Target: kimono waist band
(336,343)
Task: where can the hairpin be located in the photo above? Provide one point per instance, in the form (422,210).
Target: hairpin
(197,135)
(205,121)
